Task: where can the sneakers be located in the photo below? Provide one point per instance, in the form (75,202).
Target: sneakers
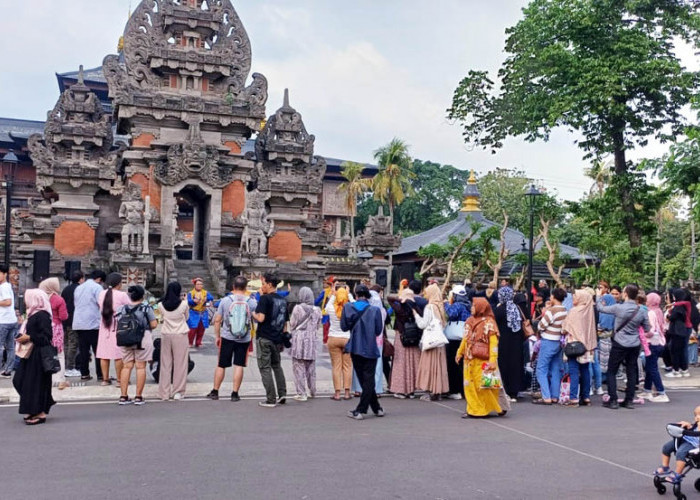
(599,391)
(72,373)
(213,395)
(646,395)
(178,396)
(454,396)
(355,415)
(124,400)
(138,401)
(660,398)
(265,404)
(685,373)
(399,396)
(612,404)
(379,412)
(282,400)
(6,374)
(300,397)
(235,397)
(673,374)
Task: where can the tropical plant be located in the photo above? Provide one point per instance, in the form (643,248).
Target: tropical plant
(354,186)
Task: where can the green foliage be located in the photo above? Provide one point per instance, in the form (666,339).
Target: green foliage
(392,184)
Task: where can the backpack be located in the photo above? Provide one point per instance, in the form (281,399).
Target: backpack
(130,327)
(279,315)
(239,318)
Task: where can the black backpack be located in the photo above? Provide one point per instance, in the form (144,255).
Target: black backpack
(411,335)
(130,328)
(279,314)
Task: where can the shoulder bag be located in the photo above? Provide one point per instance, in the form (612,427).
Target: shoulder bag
(49,359)
(477,348)
(528,330)
(433,335)
(574,349)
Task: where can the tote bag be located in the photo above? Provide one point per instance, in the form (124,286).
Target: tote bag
(433,336)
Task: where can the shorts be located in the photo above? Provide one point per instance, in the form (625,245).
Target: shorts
(232,350)
(131,354)
(681,450)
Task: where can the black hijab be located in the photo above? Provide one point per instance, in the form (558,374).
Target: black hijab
(173,296)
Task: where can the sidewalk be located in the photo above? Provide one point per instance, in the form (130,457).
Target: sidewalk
(199,381)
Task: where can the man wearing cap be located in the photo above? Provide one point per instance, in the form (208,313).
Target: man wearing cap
(457,310)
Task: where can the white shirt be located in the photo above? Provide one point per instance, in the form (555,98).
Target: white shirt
(7,313)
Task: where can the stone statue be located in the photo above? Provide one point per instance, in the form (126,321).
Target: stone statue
(379,224)
(132,209)
(257,226)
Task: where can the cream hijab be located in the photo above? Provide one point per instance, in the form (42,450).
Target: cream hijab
(580,322)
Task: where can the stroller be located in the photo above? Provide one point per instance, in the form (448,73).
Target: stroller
(692,461)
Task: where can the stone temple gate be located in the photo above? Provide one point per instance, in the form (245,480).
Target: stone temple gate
(183,189)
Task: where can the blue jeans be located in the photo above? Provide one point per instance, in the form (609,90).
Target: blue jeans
(549,365)
(692,354)
(580,373)
(7,342)
(596,371)
(651,369)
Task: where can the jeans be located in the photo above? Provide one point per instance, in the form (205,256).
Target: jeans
(678,446)
(365,368)
(618,355)
(596,370)
(7,342)
(580,373)
(679,351)
(88,339)
(693,354)
(651,368)
(269,362)
(549,366)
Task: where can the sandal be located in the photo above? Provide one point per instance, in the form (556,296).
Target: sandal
(673,478)
(662,471)
(571,404)
(35,421)
(335,398)
(541,401)
(347,398)
(585,402)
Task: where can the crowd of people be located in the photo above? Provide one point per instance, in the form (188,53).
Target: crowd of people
(484,344)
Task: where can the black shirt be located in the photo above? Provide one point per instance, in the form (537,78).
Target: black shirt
(67,294)
(274,308)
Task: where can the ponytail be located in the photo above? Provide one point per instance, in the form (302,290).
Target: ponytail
(113,280)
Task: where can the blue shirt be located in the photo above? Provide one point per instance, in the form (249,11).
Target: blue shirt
(606,321)
(86,315)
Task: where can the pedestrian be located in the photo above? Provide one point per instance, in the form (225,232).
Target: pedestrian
(580,326)
(432,367)
(387,347)
(341,362)
(70,336)
(606,325)
(549,358)
(511,346)
(657,343)
(404,371)
(59,313)
(480,328)
(457,310)
(492,294)
(376,301)
(232,329)
(8,322)
(679,329)
(144,319)
(272,316)
(198,299)
(31,382)
(87,321)
(321,302)
(616,292)
(303,324)
(110,300)
(625,344)
(364,322)
(174,352)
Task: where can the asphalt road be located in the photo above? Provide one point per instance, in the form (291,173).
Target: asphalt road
(207,450)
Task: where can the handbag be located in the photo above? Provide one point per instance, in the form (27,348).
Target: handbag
(574,349)
(23,351)
(388,351)
(49,359)
(433,336)
(528,330)
(480,350)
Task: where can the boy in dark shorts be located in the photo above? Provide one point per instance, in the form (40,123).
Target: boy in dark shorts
(681,447)
(232,323)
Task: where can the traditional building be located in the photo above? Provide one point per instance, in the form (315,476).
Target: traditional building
(166,167)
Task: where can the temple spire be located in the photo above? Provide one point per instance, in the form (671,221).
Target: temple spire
(81,76)
(285,104)
(471,195)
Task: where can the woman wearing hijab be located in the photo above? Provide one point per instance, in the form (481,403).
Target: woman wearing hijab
(580,326)
(511,349)
(341,362)
(198,299)
(31,382)
(52,288)
(657,343)
(432,368)
(110,300)
(480,328)
(679,327)
(304,323)
(404,371)
(174,343)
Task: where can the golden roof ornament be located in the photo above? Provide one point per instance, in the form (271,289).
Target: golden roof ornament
(471,195)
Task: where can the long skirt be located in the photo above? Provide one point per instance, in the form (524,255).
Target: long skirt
(33,385)
(455,371)
(404,371)
(432,371)
(511,362)
(480,402)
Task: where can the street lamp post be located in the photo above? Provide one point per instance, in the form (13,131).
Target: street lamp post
(532,193)
(11,160)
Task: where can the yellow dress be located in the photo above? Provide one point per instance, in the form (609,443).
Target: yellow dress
(480,402)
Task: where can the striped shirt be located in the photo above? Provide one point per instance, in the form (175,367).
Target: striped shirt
(550,325)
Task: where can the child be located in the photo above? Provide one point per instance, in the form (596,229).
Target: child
(681,446)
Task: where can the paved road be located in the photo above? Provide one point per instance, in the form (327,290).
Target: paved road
(205,450)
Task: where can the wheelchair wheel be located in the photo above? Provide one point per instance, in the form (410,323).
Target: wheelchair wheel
(678,493)
(660,486)
(697,484)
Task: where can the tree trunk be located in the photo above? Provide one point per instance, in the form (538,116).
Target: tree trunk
(353,246)
(693,243)
(658,254)
(391,255)
(626,202)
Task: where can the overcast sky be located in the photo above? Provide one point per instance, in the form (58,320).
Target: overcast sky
(360,72)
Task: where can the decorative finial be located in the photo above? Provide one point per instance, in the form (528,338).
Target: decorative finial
(81,77)
(286,98)
(471,195)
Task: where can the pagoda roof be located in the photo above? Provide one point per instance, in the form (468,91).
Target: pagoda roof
(14,130)
(462,225)
(93,75)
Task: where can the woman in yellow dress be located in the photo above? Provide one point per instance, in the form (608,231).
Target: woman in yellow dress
(480,328)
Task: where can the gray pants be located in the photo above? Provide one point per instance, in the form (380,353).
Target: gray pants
(7,342)
(269,361)
(70,347)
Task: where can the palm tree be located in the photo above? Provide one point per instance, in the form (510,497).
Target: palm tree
(601,175)
(353,188)
(393,182)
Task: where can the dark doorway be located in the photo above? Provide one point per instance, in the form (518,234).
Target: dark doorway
(192,222)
